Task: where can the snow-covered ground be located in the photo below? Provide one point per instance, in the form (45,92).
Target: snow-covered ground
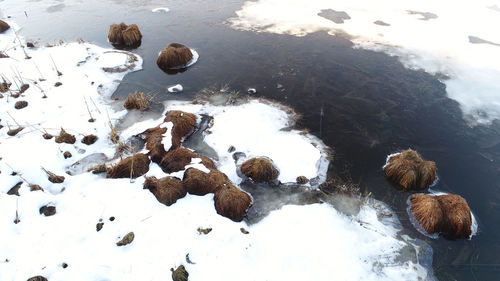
(313,242)
(458,39)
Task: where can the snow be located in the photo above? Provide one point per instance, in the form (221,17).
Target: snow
(160,10)
(167,137)
(437,45)
(175,88)
(256,129)
(287,245)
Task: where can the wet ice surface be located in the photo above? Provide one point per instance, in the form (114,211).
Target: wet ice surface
(419,34)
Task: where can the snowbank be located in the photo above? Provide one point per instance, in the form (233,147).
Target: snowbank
(457,39)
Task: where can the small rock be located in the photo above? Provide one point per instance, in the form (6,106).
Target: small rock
(13,132)
(35,187)
(64,265)
(126,240)
(244,231)
(21,104)
(24,87)
(204,230)
(99,226)
(252,91)
(47,136)
(231,149)
(30,45)
(180,274)
(37,278)
(302,180)
(67,155)
(112,218)
(48,210)
(89,139)
(57,84)
(15,189)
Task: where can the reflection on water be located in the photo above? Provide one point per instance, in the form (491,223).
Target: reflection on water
(363,104)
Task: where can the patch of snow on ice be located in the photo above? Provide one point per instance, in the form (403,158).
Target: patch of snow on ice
(175,89)
(161,10)
(167,137)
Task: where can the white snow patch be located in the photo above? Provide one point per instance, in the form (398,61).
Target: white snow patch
(255,128)
(167,137)
(161,10)
(439,45)
(175,89)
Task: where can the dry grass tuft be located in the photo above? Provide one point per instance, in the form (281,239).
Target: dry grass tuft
(130,167)
(410,171)
(167,190)
(175,160)
(53,178)
(122,34)
(197,182)
(174,55)
(259,170)
(447,214)
(65,137)
(137,100)
(232,202)
(184,123)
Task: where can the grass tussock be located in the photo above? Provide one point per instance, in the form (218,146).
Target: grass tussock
(89,139)
(167,190)
(232,202)
(446,214)
(184,123)
(174,55)
(198,182)
(53,178)
(65,137)
(126,35)
(177,159)
(130,167)
(410,171)
(259,169)
(153,138)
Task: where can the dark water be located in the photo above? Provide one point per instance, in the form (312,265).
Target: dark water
(372,105)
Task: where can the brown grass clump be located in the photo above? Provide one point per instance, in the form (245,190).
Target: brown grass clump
(200,183)
(167,190)
(3,26)
(175,160)
(65,137)
(122,34)
(89,139)
(447,214)
(410,171)
(336,185)
(259,170)
(183,122)
(153,138)
(180,274)
(232,202)
(130,167)
(174,55)
(137,100)
(99,169)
